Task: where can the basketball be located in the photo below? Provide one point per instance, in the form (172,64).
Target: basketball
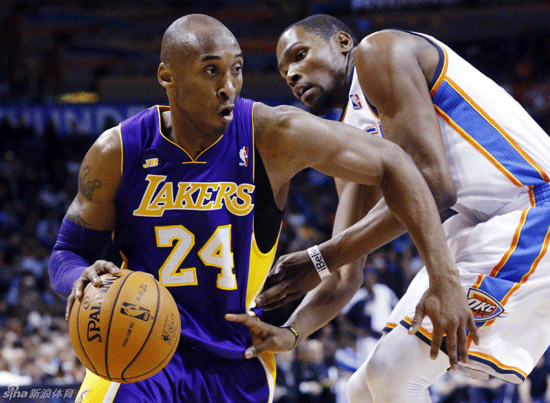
(127,329)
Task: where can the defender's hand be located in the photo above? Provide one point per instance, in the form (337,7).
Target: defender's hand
(290,278)
(447,307)
(265,337)
(91,274)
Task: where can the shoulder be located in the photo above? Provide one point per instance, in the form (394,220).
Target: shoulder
(108,144)
(392,49)
(274,115)
(391,41)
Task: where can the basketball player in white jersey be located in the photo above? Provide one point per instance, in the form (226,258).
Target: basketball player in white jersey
(482,156)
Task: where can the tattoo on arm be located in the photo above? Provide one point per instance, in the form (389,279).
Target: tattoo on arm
(74,213)
(85,186)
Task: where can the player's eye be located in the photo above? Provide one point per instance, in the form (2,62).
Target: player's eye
(211,70)
(300,55)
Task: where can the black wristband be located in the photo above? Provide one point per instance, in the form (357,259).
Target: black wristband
(295,333)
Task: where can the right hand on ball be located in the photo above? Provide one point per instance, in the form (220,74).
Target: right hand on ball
(89,275)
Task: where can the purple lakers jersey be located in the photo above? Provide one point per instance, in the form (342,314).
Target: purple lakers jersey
(189,222)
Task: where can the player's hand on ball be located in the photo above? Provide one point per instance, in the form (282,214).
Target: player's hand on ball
(265,337)
(89,275)
(447,307)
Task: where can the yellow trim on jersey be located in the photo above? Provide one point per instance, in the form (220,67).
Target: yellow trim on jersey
(443,72)
(344,113)
(532,196)
(121,149)
(193,160)
(260,263)
(96,390)
(253,151)
(270,366)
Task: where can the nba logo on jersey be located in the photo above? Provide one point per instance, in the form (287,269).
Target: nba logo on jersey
(483,306)
(243,155)
(355,101)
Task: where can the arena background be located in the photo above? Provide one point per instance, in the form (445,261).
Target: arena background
(71,68)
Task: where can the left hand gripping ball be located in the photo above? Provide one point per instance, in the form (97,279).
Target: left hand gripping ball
(127,329)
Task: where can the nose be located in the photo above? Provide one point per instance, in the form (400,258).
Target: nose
(228,88)
(292,77)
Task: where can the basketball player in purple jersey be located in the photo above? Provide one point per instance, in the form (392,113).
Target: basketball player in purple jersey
(194,193)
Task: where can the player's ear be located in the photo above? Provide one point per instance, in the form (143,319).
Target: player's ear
(345,42)
(165,76)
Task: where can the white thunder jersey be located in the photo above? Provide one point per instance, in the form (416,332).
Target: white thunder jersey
(500,162)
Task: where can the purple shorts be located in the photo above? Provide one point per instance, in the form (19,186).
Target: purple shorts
(191,376)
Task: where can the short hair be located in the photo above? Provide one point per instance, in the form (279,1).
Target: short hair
(323,25)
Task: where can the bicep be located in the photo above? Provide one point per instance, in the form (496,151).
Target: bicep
(399,90)
(291,140)
(98,181)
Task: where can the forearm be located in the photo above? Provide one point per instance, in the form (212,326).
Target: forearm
(373,231)
(76,248)
(407,205)
(325,302)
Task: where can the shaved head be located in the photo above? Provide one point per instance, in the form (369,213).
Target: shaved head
(193,33)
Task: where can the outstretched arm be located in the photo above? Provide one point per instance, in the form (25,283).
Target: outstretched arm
(296,140)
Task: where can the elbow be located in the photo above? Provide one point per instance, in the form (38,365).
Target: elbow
(437,177)
(445,196)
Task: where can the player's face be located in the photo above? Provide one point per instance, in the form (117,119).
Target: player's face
(312,68)
(209,81)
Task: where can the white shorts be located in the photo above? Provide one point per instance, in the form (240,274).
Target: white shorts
(505,270)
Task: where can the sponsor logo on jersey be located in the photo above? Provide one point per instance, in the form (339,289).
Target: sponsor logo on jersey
(151,162)
(243,155)
(483,305)
(355,101)
(194,196)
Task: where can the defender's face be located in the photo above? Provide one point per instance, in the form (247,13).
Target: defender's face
(308,63)
(209,81)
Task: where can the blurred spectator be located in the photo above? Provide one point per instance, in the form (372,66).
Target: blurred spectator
(536,388)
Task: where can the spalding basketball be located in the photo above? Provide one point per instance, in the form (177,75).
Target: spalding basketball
(127,329)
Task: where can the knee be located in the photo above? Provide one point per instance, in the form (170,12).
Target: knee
(378,368)
(379,374)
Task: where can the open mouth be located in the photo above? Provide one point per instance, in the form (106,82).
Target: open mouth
(227,112)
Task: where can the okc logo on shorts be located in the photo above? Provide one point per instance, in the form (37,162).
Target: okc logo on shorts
(483,306)
(355,101)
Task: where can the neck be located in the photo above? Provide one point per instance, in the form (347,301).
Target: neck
(348,75)
(177,130)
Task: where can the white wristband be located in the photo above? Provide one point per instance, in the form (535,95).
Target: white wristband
(318,262)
